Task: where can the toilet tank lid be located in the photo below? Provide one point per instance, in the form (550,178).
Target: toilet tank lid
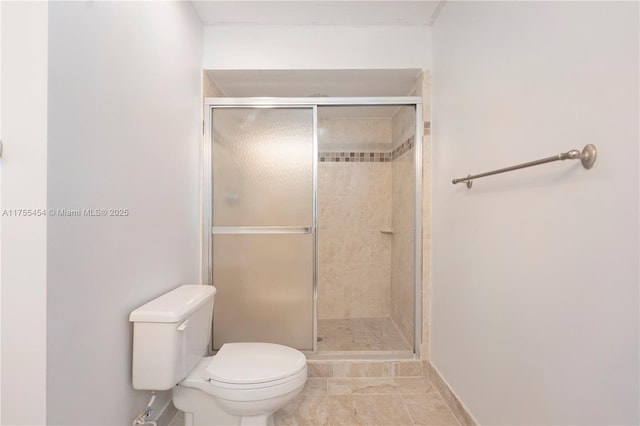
(175,305)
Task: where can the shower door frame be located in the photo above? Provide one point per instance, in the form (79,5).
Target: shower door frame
(313,103)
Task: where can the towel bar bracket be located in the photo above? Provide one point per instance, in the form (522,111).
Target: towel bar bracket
(588,156)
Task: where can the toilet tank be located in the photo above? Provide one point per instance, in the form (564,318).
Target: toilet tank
(170,336)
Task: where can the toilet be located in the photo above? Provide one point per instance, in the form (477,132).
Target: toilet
(243,384)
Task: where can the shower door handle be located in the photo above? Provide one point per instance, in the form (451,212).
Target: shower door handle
(218,230)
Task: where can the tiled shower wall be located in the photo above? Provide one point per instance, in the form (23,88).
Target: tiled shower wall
(403,208)
(362,271)
(354,205)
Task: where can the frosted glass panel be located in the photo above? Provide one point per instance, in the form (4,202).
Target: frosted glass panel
(262,166)
(265,291)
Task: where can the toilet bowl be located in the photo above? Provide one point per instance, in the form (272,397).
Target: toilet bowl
(243,384)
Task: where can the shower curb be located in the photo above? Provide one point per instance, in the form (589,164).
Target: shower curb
(363,368)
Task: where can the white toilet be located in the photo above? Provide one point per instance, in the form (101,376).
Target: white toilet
(244,384)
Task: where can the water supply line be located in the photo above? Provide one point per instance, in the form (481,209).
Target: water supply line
(142,417)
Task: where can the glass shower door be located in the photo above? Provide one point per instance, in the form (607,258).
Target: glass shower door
(263,225)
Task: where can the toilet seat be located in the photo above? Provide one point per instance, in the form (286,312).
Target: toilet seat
(254,364)
(242,392)
(249,386)
(250,372)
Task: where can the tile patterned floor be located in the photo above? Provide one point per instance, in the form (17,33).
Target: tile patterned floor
(409,401)
(399,401)
(360,335)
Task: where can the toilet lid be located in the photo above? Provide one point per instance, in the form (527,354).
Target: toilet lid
(255,363)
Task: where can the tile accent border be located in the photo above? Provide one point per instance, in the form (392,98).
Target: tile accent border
(354,157)
(403,147)
(367,157)
(450,398)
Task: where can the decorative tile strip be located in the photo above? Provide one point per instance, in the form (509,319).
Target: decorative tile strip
(355,157)
(403,147)
(367,157)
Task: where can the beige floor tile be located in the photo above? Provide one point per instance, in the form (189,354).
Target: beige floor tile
(390,344)
(413,384)
(362,386)
(410,368)
(342,369)
(357,410)
(316,369)
(316,410)
(379,410)
(429,409)
(360,334)
(315,386)
(359,369)
(342,335)
(340,327)
(378,323)
(341,344)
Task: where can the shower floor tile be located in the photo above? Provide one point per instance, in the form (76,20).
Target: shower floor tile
(360,335)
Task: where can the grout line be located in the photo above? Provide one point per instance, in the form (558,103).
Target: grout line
(413,421)
(400,333)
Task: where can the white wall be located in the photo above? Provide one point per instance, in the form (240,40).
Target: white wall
(0,220)
(124,132)
(535,272)
(237,47)
(24,186)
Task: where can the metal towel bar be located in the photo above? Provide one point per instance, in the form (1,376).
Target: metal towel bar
(587,157)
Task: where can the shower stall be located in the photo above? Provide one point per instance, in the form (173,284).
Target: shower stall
(312,223)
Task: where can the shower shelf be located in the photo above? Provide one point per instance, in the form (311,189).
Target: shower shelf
(388,230)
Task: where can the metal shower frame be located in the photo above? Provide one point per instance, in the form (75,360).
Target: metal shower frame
(313,103)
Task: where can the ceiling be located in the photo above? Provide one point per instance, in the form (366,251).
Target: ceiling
(321,83)
(309,12)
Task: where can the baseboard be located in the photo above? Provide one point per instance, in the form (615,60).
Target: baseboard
(456,406)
